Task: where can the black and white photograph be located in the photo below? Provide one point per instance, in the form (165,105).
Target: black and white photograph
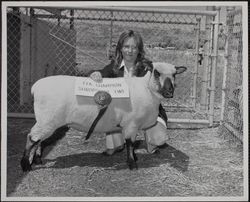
(124,101)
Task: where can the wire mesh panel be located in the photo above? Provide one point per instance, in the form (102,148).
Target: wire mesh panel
(171,39)
(75,41)
(13,59)
(232,117)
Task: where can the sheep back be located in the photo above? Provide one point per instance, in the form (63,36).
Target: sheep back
(55,104)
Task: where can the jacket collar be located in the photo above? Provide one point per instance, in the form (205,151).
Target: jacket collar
(124,68)
(122,64)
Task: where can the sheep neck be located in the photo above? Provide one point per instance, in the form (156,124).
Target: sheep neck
(153,86)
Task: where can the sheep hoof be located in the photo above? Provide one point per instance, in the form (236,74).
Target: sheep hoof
(135,157)
(25,164)
(37,160)
(132,164)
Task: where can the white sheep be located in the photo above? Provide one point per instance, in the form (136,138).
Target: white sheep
(56,105)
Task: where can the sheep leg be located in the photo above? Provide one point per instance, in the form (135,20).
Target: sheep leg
(29,152)
(131,157)
(38,133)
(58,134)
(38,154)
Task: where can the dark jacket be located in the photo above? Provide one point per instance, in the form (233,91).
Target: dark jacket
(110,71)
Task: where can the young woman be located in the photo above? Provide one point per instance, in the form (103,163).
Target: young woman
(129,61)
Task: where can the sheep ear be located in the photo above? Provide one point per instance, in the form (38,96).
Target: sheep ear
(180,69)
(156,73)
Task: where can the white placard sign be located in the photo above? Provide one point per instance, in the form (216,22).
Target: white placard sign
(116,87)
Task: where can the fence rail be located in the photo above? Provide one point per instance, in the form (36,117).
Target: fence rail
(136,10)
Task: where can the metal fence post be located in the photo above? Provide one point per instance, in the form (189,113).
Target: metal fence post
(223,94)
(195,71)
(214,65)
(71,21)
(206,62)
(111,34)
(229,23)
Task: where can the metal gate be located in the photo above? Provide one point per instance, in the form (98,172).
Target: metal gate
(232,94)
(50,41)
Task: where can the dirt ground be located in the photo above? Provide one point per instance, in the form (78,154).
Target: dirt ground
(197,162)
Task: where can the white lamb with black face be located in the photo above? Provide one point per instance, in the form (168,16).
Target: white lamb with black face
(56,105)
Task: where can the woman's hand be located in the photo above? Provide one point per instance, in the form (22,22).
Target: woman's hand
(96,76)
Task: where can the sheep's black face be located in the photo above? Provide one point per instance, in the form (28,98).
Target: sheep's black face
(165,84)
(164,75)
(167,91)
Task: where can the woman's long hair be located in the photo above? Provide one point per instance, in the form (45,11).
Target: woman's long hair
(118,52)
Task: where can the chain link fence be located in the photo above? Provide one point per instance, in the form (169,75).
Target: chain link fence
(232,102)
(51,41)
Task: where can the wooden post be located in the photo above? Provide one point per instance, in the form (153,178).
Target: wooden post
(214,65)
(25,66)
(33,49)
(195,72)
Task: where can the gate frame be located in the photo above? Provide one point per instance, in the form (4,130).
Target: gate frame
(236,133)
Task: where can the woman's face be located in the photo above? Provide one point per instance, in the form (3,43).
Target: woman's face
(130,50)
